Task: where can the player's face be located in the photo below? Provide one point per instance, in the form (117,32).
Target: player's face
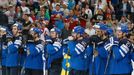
(14,30)
(32,33)
(74,35)
(57,8)
(53,34)
(98,32)
(119,34)
(132,39)
(71,13)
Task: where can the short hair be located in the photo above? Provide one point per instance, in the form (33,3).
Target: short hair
(58,5)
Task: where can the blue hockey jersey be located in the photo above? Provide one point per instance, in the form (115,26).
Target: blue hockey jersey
(4,55)
(34,58)
(79,59)
(120,60)
(12,52)
(98,63)
(54,51)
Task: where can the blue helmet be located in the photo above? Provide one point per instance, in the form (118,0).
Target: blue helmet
(18,26)
(101,26)
(36,30)
(79,30)
(124,29)
(110,31)
(58,31)
(3,29)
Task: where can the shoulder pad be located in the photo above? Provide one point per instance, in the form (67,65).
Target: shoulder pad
(123,41)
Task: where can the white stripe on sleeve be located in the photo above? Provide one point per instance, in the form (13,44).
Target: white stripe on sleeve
(122,54)
(124,48)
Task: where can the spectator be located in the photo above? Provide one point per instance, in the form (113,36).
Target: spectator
(65,15)
(99,16)
(85,3)
(66,31)
(88,11)
(26,25)
(47,3)
(53,5)
(108,15)
(73,19)
(83,18)
(124,8)
(130,27)
(18,12)
(92,4)
(124,21)
(4,18)
(132,11)
(33,15)
(115,4)
(71,4)
(36,6)
(65,10)
(100,5)
(44,13)
(77,10)
(24,7)
(10,13)
(45,31)
(57,16)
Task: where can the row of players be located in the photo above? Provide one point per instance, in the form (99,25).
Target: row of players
(80,54)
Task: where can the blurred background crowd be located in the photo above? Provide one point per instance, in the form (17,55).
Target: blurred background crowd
(66,14)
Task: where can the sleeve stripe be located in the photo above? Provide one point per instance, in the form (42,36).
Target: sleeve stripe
(49,40)
(124,48)
(83,48)
(56,45)
(107,47)
(37,49)
(16,46)
(111,40)
(18,42)
(4,47)
(116,42)
(56,48)
(122,54)
(43,57)
(39,46)
(80,47)
(9,43)
(63,53)
(77,51)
